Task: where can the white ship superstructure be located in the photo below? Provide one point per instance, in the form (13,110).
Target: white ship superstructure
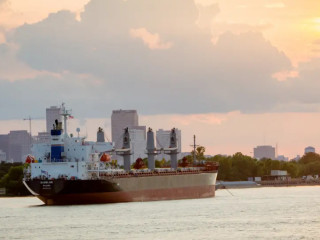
(65,156)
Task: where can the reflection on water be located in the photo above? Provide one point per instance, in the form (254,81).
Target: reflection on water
(259,213)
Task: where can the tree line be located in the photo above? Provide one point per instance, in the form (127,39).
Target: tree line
(239,167)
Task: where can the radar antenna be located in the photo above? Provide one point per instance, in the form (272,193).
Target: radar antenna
(65,113)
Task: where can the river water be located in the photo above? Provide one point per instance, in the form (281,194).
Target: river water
(255,213)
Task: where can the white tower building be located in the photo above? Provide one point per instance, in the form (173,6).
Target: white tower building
(138,144)
(163,141)
(121,119)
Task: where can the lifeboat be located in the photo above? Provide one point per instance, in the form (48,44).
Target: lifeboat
(105,157)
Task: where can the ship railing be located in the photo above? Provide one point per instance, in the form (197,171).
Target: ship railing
(114,173)
(148,172)
(41,177)
(164,170)
(61,160)
(107,170)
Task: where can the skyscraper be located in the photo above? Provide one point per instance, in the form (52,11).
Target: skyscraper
(3,156)
(121,119)
(19,145)
(4,144)
(52,114)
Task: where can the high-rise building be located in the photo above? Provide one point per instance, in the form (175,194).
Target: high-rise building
(52,114)
(3,156)
(19,145)
(42,137)
(309,149)
(121,119)
(260,152)
(163,141)
(4,143)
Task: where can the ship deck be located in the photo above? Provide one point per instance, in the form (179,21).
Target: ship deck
(154,173)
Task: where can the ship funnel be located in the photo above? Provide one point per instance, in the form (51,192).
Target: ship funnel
(174,151)
(100,135)
(150,149)
(57,144)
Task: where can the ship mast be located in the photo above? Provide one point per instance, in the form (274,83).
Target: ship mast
(65,113)
(194,149)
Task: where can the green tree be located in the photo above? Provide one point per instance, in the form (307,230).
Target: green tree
(310,157)
(5,167)
(200,150)
(242,167)
(160,163)
(12,181)
(291,167)
(225,166)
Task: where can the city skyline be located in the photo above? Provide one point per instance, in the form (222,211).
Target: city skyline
(236,73)
(224,137)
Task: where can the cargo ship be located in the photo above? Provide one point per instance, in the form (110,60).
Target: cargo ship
(71,170)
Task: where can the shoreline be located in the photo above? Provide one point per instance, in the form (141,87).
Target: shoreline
(252,184)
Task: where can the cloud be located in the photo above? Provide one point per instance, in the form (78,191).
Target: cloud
(284,75)
(31,96)
(206,14)
(96,64)
(303,91)
(208,119)
(2,35)
(151,40)
(51,44)
(11,68)
(2,2)
(275,5)
(317,44)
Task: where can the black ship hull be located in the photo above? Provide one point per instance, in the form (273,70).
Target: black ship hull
(64,192)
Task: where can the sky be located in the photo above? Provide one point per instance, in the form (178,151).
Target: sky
(237,73)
